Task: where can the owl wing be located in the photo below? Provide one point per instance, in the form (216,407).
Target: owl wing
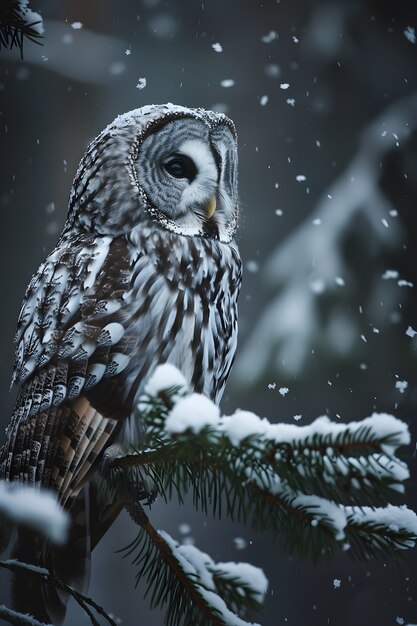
(66,343)
(67,305)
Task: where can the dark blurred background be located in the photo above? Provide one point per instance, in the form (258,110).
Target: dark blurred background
(324,96)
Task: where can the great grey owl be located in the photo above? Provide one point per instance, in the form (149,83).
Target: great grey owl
(146,271)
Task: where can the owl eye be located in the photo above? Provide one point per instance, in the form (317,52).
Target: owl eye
(181,166)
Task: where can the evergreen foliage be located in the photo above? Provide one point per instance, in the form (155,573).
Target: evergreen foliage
(18,23)
(322,488)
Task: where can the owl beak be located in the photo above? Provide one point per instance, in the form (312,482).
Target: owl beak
(211,207)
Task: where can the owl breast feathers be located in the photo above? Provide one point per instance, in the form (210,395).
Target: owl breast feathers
(146,271)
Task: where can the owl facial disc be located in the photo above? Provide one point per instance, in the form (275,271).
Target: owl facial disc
(187,170)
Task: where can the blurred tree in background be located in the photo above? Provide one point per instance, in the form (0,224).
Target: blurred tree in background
(323,96)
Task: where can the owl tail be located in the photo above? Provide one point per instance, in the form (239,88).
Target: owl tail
(69,563)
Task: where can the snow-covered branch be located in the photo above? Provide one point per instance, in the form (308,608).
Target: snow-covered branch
(308,484)
(196,589)
(80,54)
(86,603)
(311,485)
(17,22)
(311,261)
(36,509)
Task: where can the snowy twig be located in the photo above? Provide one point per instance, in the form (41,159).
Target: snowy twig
(84,601)
(19,619)
(189,581)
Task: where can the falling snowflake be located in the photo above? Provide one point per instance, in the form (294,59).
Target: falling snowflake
(184,529)
(217,47)
(117,68)
(390,275)
(270,37)
(410,34)
(141,83)
(401,385)
(252,267)
(240,543)
(227,82)
(272,70)
(76,25)
(284,85)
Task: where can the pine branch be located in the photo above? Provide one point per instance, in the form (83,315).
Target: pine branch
(307,523)
(380,530)
(318,526)
(84,602)
(335,460)
(19,619)
(17,23)
(303,483)
(195,589)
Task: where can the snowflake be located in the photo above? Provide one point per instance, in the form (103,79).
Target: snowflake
(141,83)
(410,34)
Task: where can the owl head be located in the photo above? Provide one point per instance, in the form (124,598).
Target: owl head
(166,163)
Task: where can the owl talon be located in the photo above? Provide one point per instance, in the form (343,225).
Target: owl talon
(115,451)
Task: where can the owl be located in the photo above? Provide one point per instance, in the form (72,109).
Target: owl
(146,272)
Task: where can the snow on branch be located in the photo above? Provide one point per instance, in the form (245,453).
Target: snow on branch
(311,261)
(20,619)
(36,509)
(364,532)
(17,23)
(81,54)
(308,484)
(87,604)
(220,581)
(196,589)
